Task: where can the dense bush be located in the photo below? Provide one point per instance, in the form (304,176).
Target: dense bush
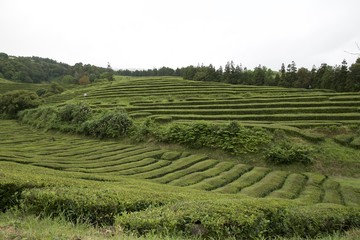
(45,117)
(95,206)
(14,101)
(285,153)
(79,118)
(75,113)
(112,124)
(244,219)
(10,195)
(232,138)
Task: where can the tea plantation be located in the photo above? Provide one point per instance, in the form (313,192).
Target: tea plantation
(141,184)
(174,99)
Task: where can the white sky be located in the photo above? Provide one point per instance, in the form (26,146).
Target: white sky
(177,33)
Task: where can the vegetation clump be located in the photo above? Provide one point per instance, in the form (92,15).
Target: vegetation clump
(112,124)
(79,117)
(232,137)
(75,113)
(14,101)
(286,153)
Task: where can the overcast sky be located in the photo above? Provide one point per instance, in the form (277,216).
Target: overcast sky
(176,33)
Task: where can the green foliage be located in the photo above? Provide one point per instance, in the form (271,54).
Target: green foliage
(68,79)
(10,195)
(45,117)
(219,219)
(41,92)
(112,124)
(94,206)
(13,102)
(232,138)
(286,153)
(142,131)
(37,70)
(79,117)
(75,113)
(56,88)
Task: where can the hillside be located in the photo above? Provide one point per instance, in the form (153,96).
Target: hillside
(157,179)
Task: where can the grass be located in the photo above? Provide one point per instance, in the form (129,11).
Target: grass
(17,225)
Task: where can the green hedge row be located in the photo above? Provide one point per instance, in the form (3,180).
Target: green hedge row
(81,204)
(244,219)
(277,117)
(258,111)
(221,105)
(202,101)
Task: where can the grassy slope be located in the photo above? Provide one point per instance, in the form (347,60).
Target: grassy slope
(331,158)
(86,158)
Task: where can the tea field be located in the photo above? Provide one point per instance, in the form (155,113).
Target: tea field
(107,160)
(149,189)
(175,99)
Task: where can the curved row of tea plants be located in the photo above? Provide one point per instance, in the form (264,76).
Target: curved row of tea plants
(110,159)
(175,99)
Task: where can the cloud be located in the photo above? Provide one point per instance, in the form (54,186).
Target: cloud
(146,34)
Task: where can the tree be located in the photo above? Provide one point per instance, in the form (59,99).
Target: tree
(259,76)
(14,101)
(353,80)
(84,80)
(291,74)
(341,74)
(303,78)
(282,81)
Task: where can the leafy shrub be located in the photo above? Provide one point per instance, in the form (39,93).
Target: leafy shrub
(285,153)
(232,138)
(46,117)
(10,195)
(55,88)
(112,124)
(77,204)
(75,113)
(41,92)
(244,219)
(142,131)
(14,101)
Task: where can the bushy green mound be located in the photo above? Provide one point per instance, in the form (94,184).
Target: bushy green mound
(242,219)
(14,101)
(143,207)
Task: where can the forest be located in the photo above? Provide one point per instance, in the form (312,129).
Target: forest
(43,70)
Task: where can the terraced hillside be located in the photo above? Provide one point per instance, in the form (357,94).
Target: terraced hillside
(175,99)
(6,86)
(109,160)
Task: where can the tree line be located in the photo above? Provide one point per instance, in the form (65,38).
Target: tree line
(338,78)
(39,70)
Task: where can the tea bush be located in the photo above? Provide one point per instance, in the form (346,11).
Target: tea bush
(243,219)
